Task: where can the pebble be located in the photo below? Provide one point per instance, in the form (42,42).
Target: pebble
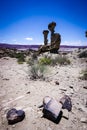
(49,128)
(65,114)
(85,87)
(63,89)
(71,87)
(57,83)
(83,120)
(13,126)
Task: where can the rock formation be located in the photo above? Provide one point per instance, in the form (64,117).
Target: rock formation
(45,32)
(55,40)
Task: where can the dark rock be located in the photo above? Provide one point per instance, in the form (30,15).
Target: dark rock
(63,89)
(71,87)
(85,87)
(15,116)
(57,83)
(86,104)
(28,92)
(66,103)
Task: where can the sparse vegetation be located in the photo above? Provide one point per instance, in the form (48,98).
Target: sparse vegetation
(83,54)
(38,67)
(30,62)
(20,58)
(61,60)
(84,75)
(37,71)
(45,61)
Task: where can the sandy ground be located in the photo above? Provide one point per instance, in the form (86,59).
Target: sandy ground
(18,91)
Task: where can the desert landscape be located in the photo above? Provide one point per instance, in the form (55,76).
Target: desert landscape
(24,87)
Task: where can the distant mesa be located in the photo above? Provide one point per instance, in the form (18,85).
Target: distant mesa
(12,46)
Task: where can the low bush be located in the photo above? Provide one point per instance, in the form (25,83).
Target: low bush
(30,62)
(83,54)
(37,71)
(45,61)
(61,60)
(20,58)
(84,75)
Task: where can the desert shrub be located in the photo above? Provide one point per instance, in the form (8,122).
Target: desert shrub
(20,61)
(84,75)
(30,62)
(12,55)
(37,71)
(18,55)
(45,61)
(34,56)
(61,60)
(83,54)
(20,58)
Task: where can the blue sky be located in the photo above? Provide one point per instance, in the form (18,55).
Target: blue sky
(23,21)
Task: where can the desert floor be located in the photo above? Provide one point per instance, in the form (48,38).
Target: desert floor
(18,91)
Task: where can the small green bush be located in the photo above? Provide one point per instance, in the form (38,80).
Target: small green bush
(20,58)
(20,61)
(61,60)
(45,61)
(12,55)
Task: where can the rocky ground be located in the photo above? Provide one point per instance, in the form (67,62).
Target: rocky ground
(18,91)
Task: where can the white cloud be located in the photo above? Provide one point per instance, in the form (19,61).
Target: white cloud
(3,40)
(29,38)
(18,43)
(73,43)
(14,40)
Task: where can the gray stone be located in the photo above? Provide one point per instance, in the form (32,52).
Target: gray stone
(65,114)
(83,120)
(49,128)
(52,108)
